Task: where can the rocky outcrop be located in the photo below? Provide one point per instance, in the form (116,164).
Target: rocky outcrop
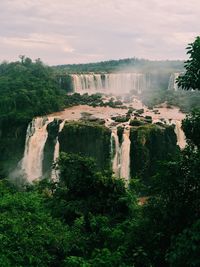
(12,142)
(150,144)
(89,139)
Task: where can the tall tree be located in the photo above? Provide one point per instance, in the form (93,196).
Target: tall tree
(191,78)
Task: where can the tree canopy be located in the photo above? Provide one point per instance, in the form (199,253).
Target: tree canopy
(191,78)
(28,89)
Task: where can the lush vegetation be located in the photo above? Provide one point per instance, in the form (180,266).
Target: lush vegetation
(91,100)
(186,100)
(150,144)
(92,140)
(191,77)
(28,89)
(80,221)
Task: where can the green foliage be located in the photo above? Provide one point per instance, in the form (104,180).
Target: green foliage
(191,78)
(191,127)
(120,118)
(92,140)
(136,122)
(186,100)
(84,99)
(128,64)
(81,186)
(28,89)
(91,100)
(150,144)
(29,235)
(98,210)
(66,82)
(185,248)
(174,205)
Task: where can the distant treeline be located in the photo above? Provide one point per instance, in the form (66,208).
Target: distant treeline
(128,64)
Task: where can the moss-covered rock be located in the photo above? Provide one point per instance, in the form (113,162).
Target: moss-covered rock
(136,122)
(89,139)
(150,144)
(49,148)
(121,119)
(148,119)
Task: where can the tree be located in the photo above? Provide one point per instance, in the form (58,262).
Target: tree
(174,204)
(191,78)
(29,236)
(99,211)
(82,190)
(191,127)
(185,249)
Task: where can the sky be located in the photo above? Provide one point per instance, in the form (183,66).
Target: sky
(82,31)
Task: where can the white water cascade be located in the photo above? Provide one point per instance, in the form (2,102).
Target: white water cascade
(181,139)
(36,137)
(113,82)
(172,82)
(57,146)
(125,155)
(55,173)
(121,160)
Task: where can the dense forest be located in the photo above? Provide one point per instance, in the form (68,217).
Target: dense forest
(28,89)
(129,64)
(89,218)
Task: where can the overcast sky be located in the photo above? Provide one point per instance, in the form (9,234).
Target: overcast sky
(79,31)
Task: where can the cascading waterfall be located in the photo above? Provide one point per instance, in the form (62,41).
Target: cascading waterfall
(57,146)
(36,137)
(125,155)
(114,82)
(180,135)
(172,82)
(121,160)
(181,139)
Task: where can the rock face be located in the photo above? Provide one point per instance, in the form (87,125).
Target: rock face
(150,144)
(12,142)
(89,139)
(49,148)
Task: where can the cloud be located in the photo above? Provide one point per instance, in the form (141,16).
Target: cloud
(77,31)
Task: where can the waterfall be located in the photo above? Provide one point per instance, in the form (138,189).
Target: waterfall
(172,82)
(181,140)
(121,160)
(125,155)
(113,82)
(36,137)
